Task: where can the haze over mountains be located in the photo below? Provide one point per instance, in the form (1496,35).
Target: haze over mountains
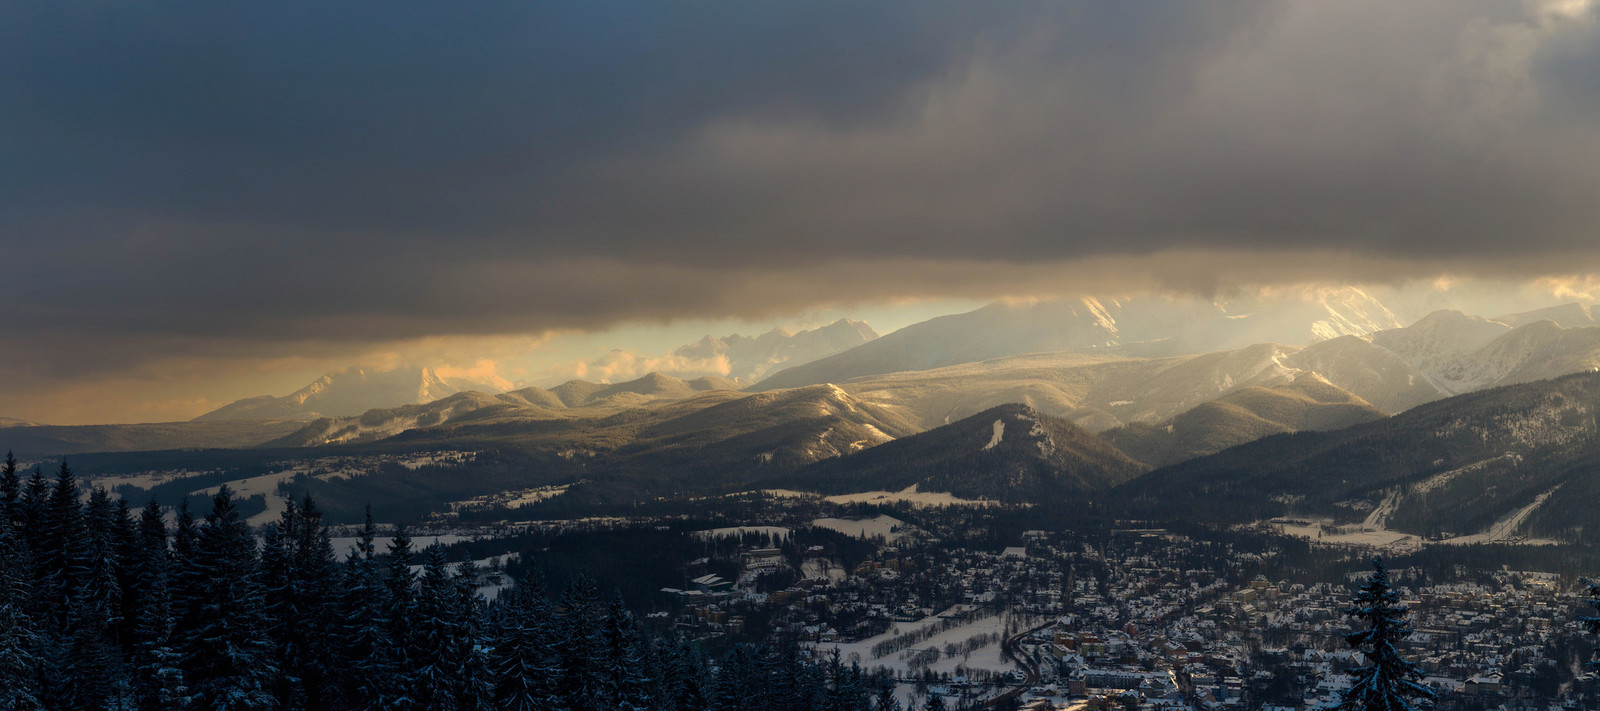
(1114,411)
(1111,392)
(749,358)
(353,392)
(1151,326)
(726,361)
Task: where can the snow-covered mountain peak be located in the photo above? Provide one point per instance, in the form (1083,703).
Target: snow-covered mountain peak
(356,390)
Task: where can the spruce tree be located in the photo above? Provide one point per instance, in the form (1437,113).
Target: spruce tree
(625,682)
(10,491)
(476,684)
(19,638)
(365,675)
(60,553)
(886,700)
(435,653)
(316,567)
(183,574)
(522,662)
(157,680)
(227,661)
(578,647)
(684,677)
(400,616)
(1388,680)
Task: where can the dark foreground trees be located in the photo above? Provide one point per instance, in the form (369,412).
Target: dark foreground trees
(1389,682)
(104,608)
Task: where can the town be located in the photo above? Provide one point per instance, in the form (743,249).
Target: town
(1136,618)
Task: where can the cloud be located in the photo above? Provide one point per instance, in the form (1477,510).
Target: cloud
(319,181)
(623,364)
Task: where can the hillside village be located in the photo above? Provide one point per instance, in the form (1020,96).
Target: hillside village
(1146,619)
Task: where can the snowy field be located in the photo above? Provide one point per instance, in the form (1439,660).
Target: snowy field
(879,525)
(821,569)
(265,485)
(146,480)
(985,657)
(342,546)
(909,495)
(774,531)
(512,498)
(983,634)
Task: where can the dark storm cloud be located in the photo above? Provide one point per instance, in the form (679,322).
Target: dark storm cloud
(244,174)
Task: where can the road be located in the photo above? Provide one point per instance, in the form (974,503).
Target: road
(1010,649)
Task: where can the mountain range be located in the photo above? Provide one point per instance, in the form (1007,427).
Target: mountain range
(1006,453)
(1487,462)
(354,391)
(1149,327)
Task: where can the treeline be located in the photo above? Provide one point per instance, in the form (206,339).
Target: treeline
(102,607)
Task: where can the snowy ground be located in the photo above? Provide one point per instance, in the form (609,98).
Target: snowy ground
(265,485)
(146,480)
(774,531)
(514,498)
(821,568)
(879,525)
(909,495)
(343,546)
(986,657)
(1372,532)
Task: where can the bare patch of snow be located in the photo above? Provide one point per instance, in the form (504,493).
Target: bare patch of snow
(879,525)
(1505,530)
(909,495)
(774,531)
(999,432)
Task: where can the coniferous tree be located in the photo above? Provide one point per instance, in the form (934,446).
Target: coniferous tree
(578,647)
(157,680)
(226,660)
(299,573)
(10,491)
(624,662)
(522,663)
(280,603)
(733,681)
(935,702)
(89,668)
(316,567)
(886,700)
(34,495)
(60,543)
(435,640)
(684,677)
(19,638)
(400,616)
(475,687)
(183,573)
(365,674)
(1389,680)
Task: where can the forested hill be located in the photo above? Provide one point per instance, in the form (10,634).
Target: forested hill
(1005,453)
(105,608)
(1520,456)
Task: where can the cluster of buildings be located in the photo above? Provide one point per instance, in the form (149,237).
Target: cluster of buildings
(1149,620)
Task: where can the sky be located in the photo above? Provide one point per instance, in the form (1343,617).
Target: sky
(200,202)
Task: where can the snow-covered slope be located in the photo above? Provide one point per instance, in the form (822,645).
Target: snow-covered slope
(1154,326)
(1458,353)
